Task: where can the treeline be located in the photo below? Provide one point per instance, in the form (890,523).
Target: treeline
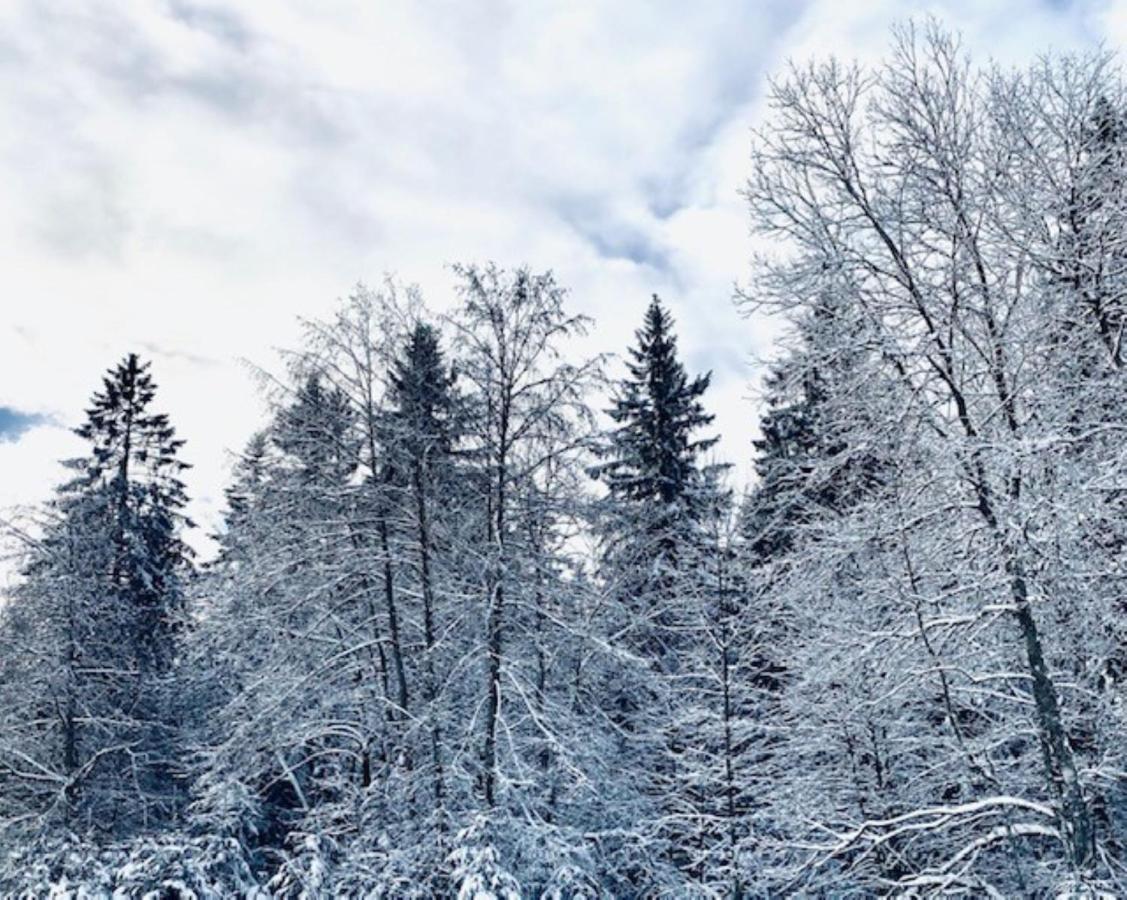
(463,637)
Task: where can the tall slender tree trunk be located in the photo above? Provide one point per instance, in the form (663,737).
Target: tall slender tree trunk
(70,711)
(388,581)
(393,617)
(496,598)
(431,686)
(729,743)
(1076,827)
(1074,815)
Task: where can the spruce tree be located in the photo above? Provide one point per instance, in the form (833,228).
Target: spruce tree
(660,496)
(811,459)
(1093,259)
(424,409)
(654,455)
(102,605)
(316,431)
(248,477)
(422,433)
(134,461)
(658,487)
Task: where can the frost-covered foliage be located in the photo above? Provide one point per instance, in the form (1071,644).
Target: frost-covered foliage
(171,865)
(950,714)
(397,634)
(88,734)
(477,873)
(460,642)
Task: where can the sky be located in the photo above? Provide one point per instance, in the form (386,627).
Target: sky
(186,178)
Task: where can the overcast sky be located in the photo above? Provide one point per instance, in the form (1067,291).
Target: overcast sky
(183,179)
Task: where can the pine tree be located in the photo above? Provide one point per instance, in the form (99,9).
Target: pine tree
(811,463)
(102,604)
(422,434)
(660,497)
(658,488)
(134,460)
(655,458)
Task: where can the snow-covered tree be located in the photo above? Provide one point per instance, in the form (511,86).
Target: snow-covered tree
(528,423)
(662,501)
(653,462)
(91,635)
(938,727)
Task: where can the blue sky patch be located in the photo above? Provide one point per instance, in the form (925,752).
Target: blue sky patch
(14,423)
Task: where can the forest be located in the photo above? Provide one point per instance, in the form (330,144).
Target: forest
(467,634)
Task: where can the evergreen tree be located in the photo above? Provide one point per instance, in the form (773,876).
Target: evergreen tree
(656,517)
(658,489)
(423,430)
(249,476)
(811,458)
(1092,264)
(134,462)
(102,605)
(316,432)
(423,403)
(654,456)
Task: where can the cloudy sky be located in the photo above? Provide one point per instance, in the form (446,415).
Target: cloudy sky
(184,178)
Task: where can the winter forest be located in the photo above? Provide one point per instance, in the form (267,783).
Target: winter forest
(470,633)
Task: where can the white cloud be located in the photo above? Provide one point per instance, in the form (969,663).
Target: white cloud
(185,178)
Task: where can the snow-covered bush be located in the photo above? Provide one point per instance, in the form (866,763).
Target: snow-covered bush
(186,868)
(477,870)
(571,883)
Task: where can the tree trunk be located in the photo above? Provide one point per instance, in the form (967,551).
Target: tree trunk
(431,687)
(393,618)
(1075,820)
(493,627)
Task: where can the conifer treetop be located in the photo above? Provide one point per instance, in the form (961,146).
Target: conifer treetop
(654,453)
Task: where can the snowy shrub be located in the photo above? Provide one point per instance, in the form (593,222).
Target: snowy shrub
(186,868)
(197,868)
(304,874)
(477,871)
(59,867)
(571,883)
